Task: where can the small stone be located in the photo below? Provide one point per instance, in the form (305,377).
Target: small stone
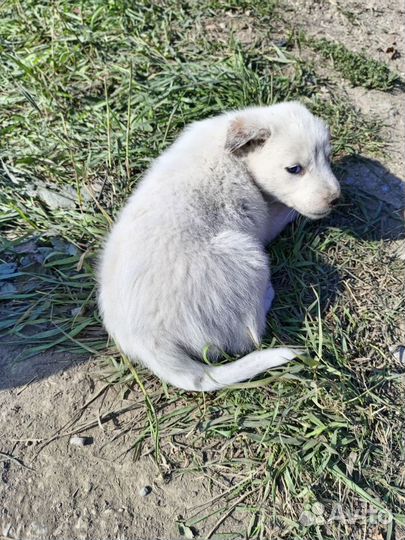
(399,353)
(76,311)
(145,491)
(318,508)
(26,247)
(186,531)
(307,518)
(76,440)
(7,289)
(55,200)
(7,269)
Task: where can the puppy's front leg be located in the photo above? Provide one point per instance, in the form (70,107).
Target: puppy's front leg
(280,216)
(268,299)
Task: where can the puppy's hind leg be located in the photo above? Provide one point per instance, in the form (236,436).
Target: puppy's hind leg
(240,274)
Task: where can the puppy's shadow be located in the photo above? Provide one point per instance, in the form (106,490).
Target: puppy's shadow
(371,211)
(18,371)
(374,200)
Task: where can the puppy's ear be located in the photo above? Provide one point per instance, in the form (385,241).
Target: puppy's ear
(243,136)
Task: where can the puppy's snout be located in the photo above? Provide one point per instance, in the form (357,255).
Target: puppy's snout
(334,201)
(334,197)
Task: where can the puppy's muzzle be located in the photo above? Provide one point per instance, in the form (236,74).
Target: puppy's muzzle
(334,202)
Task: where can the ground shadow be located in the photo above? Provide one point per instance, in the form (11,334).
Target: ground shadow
(373,196)
(17,371)
(371,209)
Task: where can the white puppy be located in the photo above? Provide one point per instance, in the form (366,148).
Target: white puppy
(185,266)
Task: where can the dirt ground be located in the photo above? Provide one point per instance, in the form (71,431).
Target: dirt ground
(55,489)
(50,488)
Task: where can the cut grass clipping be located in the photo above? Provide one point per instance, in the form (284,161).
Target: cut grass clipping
(92,93)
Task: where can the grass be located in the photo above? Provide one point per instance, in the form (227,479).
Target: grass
(356,68)
(92,93)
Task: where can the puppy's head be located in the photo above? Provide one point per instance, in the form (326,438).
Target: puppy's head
(287,150)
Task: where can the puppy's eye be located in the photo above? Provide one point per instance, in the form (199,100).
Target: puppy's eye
(295,169)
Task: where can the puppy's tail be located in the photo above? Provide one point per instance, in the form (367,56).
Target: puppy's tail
(184,372)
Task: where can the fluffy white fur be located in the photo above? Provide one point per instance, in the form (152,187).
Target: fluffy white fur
(185,266)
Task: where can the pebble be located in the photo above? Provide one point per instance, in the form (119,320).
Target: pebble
(399,353)
(7,269)
(145,491)
(8,288)
(56,200)
(76,440)
(76,311)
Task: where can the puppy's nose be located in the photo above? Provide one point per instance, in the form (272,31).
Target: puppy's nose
(334,201)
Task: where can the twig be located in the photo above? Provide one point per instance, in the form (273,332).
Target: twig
(227,514)
(9,457)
